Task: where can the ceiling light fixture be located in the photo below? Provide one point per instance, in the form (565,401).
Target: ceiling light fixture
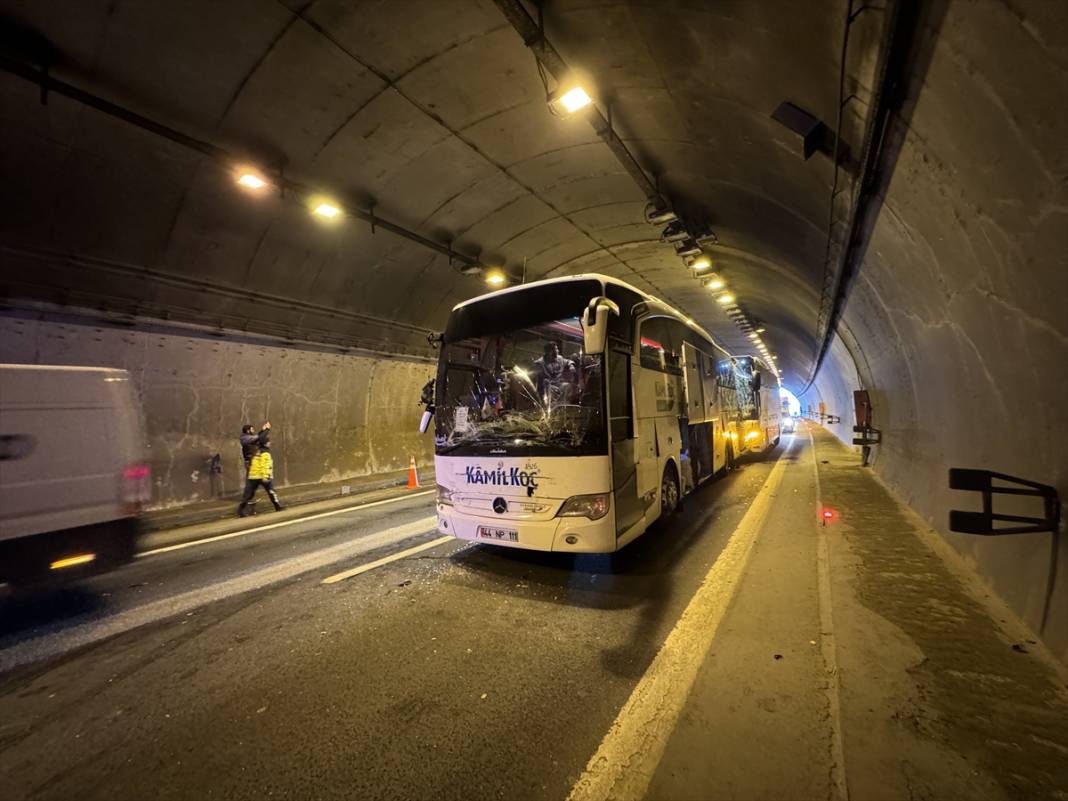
(725,298)
(564,103)
(495,277)
(658,215)
(674,232)
(326,210)
(702,262)
(687,247)
(251,180)
(715,282)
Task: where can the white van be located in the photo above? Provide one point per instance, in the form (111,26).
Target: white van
(73,476)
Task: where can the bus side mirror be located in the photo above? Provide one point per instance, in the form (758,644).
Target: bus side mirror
(427,417)
(426,397)
(595,324)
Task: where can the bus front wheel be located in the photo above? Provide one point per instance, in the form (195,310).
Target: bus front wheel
(669,492)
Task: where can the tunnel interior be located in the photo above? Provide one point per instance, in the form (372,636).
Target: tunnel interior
(881,190)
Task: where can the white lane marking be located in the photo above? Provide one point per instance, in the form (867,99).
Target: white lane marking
(385,560)
(629,754)
(78,636)
(828,645)
(179,546)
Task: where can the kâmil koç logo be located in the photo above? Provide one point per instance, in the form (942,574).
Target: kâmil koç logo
(502,476)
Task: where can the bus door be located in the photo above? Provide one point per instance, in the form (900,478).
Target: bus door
(628,506)
(695,408)
(699,433)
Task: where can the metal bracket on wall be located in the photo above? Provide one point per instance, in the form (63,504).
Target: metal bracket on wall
(868,435)
(982,481)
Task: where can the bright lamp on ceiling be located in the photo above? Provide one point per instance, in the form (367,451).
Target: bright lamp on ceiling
(326,210)
(250,180)
(567,102)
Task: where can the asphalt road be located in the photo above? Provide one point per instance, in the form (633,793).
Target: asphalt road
(230,670)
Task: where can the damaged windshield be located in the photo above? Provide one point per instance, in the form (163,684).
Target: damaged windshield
(529,391)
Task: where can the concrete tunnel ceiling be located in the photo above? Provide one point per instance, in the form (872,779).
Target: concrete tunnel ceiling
(434,113)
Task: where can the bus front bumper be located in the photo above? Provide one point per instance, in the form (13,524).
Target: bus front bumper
(563,534)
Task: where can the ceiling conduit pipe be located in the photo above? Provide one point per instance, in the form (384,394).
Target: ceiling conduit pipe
(49,84)
(534,37)
(897,72)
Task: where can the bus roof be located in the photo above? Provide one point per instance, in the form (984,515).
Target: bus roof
(603,279)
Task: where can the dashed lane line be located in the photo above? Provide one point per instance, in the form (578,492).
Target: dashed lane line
(629,754)
(93,631)
(206,540)
(346,574)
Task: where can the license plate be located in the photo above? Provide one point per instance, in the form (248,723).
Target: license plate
(499,534)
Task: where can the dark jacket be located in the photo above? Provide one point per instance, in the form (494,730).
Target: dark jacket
(250,443)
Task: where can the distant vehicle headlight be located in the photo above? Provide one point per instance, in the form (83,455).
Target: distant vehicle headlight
(592,506)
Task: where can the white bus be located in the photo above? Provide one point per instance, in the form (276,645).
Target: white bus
(572,413)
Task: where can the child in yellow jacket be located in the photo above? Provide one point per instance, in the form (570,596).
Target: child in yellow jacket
(260,473)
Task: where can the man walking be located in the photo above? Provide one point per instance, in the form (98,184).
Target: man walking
(260,473)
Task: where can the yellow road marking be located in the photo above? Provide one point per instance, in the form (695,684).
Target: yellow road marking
(426,546)
(627,758)
(294,522)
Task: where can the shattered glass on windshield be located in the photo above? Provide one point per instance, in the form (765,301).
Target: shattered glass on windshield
(525,391)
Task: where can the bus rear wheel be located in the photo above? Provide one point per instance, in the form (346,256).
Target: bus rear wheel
(669,492)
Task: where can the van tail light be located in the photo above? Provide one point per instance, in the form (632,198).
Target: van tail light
(136,487)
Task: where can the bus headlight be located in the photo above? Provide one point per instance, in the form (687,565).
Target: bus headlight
(592,506)
(752,435)
(444,495)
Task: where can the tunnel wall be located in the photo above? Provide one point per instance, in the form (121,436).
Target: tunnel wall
(334,415)
(958,312)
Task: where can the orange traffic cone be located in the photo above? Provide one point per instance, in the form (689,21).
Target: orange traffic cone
(413,476)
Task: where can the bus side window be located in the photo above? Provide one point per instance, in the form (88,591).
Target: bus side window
(621,327)
(660,345)
(725,373)
(619,396)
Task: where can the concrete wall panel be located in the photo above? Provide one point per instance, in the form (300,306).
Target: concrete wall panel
(959,308)
(333,415)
